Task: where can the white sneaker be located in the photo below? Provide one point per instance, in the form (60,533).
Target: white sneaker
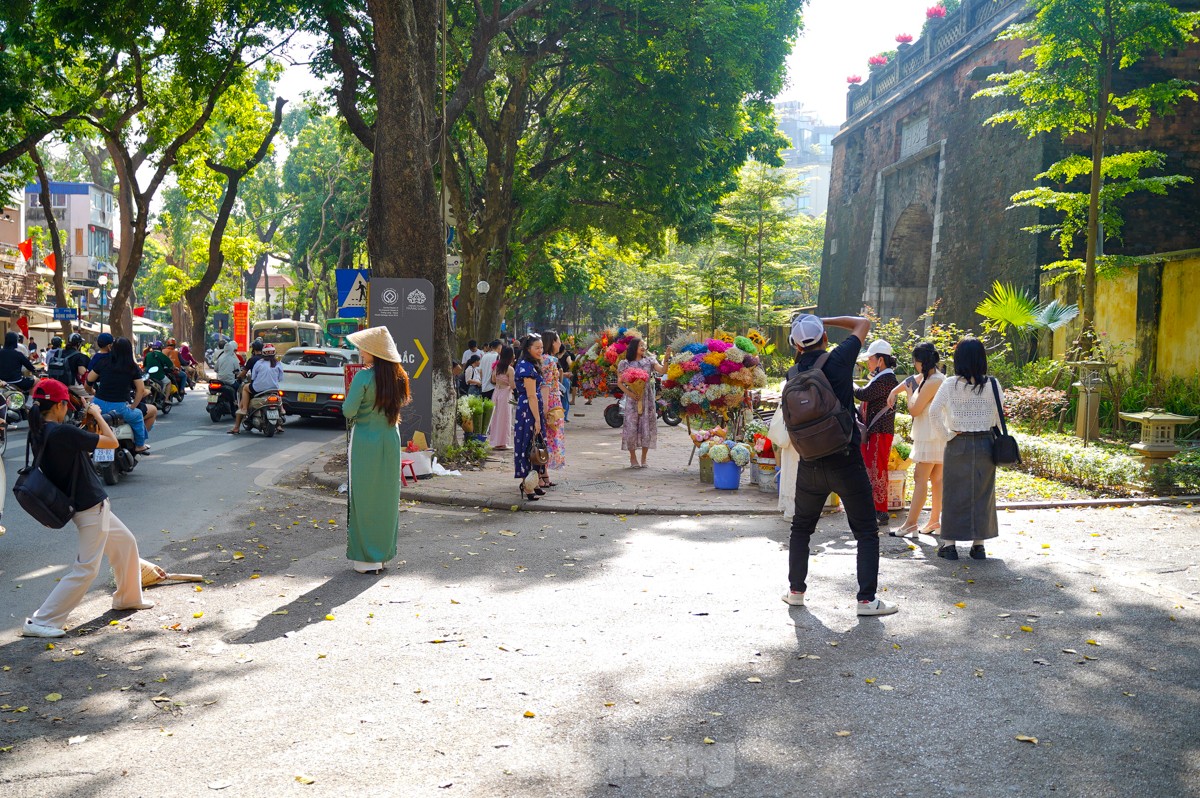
(793,598)
(31,629)
(877,607)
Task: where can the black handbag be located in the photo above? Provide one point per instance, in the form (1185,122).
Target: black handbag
(1004,446)
(42,499)
(539,455)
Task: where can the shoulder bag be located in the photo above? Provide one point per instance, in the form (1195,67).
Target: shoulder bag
(1004,446)
(40,497)
(539,455)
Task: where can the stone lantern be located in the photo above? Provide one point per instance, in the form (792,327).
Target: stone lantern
(1158,433)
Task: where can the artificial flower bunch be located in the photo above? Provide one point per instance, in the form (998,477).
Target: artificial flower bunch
(591,367)
(712,376)
(762,446)
(635,383)
(898,457)
(465,414)
(617,349)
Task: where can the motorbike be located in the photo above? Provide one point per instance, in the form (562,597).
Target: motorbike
(16,403)
(222,400)
(614,416)
(265,413)
(112,464)
(160,387)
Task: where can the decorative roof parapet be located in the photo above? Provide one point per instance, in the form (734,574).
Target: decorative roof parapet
(940,38)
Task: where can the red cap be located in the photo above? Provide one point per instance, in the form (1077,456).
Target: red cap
(53,390)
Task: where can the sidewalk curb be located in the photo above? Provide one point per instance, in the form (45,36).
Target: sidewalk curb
(316,472)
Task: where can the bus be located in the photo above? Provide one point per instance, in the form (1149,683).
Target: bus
(336,331)
(286,333)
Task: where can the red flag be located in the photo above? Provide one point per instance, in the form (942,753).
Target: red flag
(26,248)
(51,262)
(139,311)
(23,325)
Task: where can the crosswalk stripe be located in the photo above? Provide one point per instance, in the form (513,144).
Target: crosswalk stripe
(212,451)
(293,452)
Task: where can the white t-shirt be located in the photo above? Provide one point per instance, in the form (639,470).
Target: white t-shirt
(467,355)
(487,364)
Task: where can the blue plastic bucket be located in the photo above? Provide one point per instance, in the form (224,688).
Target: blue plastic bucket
(726,476)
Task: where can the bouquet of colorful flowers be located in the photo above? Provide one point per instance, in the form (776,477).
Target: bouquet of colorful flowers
(617,349)
(635,383)
(898,457)
(739,453)
(712,376)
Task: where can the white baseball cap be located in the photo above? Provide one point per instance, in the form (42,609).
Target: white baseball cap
(879,347)
(807,330)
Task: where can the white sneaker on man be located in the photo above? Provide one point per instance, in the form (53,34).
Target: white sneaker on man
(877,607)
(793,598)
(31,629)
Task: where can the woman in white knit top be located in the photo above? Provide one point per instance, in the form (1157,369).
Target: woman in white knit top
(966,404)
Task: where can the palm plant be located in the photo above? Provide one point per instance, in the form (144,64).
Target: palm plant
(1015,314)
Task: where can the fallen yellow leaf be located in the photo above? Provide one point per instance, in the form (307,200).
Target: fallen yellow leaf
(754,680)
(254,576)
(197,615)
(842,733)
(961,604)
(529,714)
(306,780)
(1026,628)
(1027,739)
(54,697)
(237,555)
(1093,643)
(330,618)
(709,741)
(869,680)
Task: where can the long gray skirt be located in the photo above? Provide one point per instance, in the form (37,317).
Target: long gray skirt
(969,489)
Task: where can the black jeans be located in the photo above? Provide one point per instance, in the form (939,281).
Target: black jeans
(488,394)
(846,475)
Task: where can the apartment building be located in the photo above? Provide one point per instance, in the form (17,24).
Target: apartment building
(86,217)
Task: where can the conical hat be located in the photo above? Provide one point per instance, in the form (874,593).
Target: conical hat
(376,341)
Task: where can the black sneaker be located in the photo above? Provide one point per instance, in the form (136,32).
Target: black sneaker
(978,553)
(884,519)
(948,552)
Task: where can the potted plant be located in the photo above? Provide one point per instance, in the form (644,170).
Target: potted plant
(935,16)
(904,41)
(877,62)
(854,80)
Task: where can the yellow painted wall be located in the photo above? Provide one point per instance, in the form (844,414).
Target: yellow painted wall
(1116,312)
(1179,329)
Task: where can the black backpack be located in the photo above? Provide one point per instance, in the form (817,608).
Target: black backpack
(817,422)
(58,366)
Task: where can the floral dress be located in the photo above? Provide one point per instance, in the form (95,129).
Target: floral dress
(555,428)
(523,426)
(641,429)
(877,446)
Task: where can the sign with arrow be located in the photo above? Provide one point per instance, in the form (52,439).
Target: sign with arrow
(353,288)
(405,307)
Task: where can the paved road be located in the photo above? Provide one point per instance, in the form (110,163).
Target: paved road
(194,474)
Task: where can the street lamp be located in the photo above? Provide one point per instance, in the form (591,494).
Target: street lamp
(103,295)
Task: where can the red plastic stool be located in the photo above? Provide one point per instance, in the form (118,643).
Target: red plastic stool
(411,471)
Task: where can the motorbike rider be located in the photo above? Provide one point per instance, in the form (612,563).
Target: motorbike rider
(56,344)
(228,364)
(191,366)
(71,368)
(12,362)
(166,369)
(104,342)
(177,376)
(120,388)
(265,375)
(243,389)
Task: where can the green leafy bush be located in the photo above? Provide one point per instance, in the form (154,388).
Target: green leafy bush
(1041,373)
(904,426)
(1095,467)
(470,454)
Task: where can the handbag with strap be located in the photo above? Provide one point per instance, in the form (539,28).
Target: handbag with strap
(1004,446)
(40,497)
(539,455)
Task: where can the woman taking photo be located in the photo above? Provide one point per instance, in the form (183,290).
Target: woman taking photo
(556,414)
(968,408)
(641,429)
(528,425)
(500,433)
(67,462)
(119,389)
(881,422)
(929,438)
(372,409)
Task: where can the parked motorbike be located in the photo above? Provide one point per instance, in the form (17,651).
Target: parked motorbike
(112,464)
(265,413)
(222,400)
(16,403)
(614,416)
(160,387)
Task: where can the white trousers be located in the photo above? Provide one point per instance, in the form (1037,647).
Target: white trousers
(101,534)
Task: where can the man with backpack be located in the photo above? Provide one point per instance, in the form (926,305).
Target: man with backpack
(69,366)
(818,409)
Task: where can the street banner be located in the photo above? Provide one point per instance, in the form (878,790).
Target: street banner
(353,289)
(241,325)
(405,307)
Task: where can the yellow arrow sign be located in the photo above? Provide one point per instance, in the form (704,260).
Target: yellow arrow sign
(424,359)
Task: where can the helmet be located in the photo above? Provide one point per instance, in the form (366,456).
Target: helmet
(75,340)
(268,350)
(257,346)
(171,342)
(156,345)
(56,342)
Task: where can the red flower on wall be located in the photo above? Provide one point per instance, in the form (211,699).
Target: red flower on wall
(877,60)
(854,79)
(905,38)
(938,12)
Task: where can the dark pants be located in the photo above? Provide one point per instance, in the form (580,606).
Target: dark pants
(488,394)
(846,475)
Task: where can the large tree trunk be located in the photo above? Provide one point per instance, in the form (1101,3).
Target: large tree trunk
(60,290)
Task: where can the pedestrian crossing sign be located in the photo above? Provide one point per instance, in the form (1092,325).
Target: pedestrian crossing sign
(353,287)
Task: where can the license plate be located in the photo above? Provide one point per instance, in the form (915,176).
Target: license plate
(272,415)
(104,455)
(311,398)
(212,400)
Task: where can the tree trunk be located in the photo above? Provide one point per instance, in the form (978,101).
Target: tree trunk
(405,233)
(1093,228)
(60,290)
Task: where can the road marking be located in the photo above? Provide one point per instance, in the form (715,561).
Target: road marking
(213,451)
(293,452)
